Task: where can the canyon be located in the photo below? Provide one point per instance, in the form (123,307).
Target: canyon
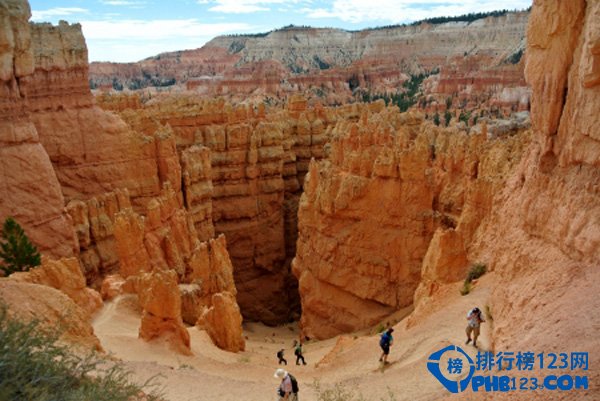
(184,217)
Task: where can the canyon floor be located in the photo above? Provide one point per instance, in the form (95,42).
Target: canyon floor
(349,360)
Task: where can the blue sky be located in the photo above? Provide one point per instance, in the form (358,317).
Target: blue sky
(130,30)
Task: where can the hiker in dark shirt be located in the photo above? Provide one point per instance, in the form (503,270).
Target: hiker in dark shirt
(280,357)
(385,343)
(298,353)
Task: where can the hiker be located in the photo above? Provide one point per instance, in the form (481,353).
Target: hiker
(288,388)
(385,343)
(280,357)
(298,353)
(475,319)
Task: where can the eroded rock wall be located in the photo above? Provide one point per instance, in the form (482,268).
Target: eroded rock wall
(370,211)
(243,168)
(92,151)
(31,192)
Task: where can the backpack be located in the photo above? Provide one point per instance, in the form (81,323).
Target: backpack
(297,351)
(295,388)
(385,340)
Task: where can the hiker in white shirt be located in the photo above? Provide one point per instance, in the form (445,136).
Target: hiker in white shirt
(475,319)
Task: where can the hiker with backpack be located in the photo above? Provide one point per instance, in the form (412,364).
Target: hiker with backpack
(288,388)
(280,357)
(385,342)
(298,353)
(475,319)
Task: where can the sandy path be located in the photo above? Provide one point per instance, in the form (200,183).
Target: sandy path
(213,374)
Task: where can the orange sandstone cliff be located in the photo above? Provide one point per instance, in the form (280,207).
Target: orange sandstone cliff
(78,175)
(543,237)
(393,190)
(31,192)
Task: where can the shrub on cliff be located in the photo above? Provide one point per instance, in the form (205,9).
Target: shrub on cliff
(36,367)
(16,251)
(477,270)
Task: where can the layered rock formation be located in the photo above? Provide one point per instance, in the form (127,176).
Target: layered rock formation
(92,151)
(543,236)
(31,191)
(481,57)
(369,214)
(241,169)
(93,221)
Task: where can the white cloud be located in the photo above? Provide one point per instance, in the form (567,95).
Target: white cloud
(357,11)
(122,3)
(133,40)
(243,6)
(42,15)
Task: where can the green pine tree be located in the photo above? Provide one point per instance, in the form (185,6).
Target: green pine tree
(447,117)
(17,253)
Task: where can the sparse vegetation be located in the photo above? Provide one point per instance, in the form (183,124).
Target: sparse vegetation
(17,253)
(236,46)
(465,117)
(403,99)
(117,85)
(488,313)
(323,65)
(345,392)
(463,18)
(338,392)
(477,270)
(35,367)
(466,288)
(515,57)
(449,102)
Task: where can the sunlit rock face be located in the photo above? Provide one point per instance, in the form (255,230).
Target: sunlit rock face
(395,205)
